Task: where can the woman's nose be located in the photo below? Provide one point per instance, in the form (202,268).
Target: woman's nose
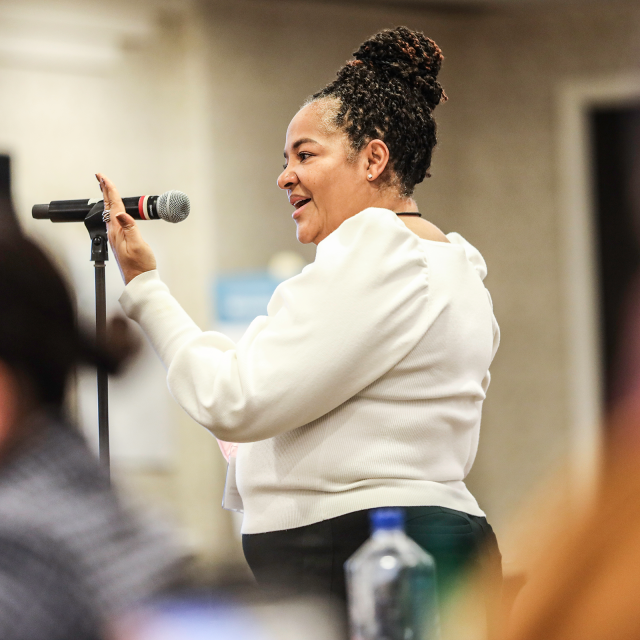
(287,179)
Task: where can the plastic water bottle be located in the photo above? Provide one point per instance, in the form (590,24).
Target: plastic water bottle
(391,584)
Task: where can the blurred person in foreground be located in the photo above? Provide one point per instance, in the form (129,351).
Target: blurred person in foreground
(587,585)
(72,555)
(363,386)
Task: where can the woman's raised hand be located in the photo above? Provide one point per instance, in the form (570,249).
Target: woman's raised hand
(133,255)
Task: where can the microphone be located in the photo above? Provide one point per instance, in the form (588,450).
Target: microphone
(172,206)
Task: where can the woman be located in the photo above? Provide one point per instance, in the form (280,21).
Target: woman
(364,384)
(72,555)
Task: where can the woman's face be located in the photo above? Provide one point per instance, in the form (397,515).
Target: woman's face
(324,186)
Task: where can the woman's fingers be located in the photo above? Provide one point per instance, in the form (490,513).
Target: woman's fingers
(112,200)
(113,203)
(126,222)
(133,254)
(117,228)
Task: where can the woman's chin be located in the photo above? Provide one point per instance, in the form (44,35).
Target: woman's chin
(303,233)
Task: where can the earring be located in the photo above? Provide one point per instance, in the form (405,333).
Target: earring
(370,177)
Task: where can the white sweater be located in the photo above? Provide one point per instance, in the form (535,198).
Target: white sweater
(362,387)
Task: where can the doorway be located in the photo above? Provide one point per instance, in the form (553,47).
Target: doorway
(615,134)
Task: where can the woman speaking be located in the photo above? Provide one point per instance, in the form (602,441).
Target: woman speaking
(363,386)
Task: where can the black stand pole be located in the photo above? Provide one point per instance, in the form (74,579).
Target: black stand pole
(100,254)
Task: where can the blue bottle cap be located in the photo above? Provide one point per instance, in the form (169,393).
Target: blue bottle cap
(386,519)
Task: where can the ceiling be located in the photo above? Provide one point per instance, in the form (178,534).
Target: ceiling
(87,36)
(471,5)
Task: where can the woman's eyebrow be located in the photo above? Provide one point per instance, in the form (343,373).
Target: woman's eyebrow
(300,142)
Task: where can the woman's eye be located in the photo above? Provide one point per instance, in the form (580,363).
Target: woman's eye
(302,156)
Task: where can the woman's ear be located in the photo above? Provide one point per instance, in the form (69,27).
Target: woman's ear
(377,157)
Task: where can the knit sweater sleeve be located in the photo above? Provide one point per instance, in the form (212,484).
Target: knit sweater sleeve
(331,331)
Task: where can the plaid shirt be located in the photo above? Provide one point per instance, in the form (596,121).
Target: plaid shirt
(72,555)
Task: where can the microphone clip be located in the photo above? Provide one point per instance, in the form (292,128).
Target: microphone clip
(97,229)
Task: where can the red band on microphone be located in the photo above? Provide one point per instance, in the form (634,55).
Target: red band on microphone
(143,208)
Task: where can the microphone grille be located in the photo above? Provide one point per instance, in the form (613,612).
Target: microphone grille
(173,206)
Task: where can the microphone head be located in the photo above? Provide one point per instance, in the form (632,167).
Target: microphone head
(173,206)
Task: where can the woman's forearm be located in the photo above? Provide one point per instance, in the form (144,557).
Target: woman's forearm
(147,300)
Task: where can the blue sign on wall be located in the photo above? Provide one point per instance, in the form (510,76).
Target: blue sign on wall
(242,297)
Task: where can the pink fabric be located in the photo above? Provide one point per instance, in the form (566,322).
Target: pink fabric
(229,449)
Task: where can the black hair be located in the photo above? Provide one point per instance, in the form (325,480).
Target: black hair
(39,336)
(389,92)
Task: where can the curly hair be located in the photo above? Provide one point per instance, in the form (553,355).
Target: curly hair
(389,92)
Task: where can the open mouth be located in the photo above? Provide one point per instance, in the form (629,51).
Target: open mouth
(300,203)
(298,206)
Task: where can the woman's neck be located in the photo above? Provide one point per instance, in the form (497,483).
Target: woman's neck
(396,203)
(421,227)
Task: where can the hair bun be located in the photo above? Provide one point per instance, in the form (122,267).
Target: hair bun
(408,55)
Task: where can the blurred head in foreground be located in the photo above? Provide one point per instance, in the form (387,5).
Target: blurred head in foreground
(39,340)
(73,555)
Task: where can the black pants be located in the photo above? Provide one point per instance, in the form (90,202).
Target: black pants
(311,559)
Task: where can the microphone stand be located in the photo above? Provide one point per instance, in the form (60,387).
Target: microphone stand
(100,254)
